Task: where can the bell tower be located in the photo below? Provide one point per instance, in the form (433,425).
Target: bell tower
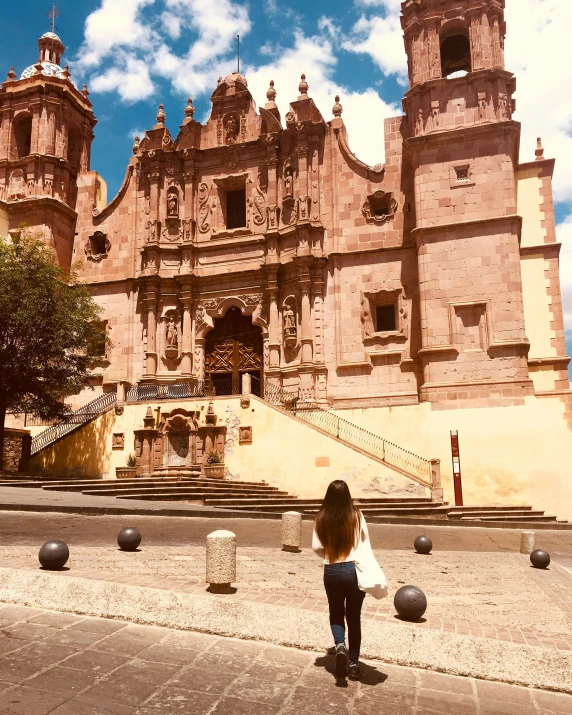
(462,148)
(46,130)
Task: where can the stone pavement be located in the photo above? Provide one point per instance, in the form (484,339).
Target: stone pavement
(500,597)
(65,664)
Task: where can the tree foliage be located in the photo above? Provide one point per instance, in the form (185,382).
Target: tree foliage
(49,324)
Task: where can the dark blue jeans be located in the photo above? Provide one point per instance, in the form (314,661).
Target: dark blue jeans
(345,600)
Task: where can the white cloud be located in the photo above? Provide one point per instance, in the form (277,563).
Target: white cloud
(130,79)
(172,25)
(314,56)
(114,24)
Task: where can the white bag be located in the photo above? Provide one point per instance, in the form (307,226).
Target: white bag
(370,576)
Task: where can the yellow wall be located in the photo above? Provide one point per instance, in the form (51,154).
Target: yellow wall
(284,451)
(537,315)
(510,455)
(529,201)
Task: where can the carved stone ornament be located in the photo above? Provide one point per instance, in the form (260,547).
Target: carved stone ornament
(380,207)
(204,208)
(258,205)
(118,440)
(232,159)
(244,435)
(288,184)
(97,246)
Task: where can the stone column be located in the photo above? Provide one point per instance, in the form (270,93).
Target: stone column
(188,329)
(302,152)
(305,285)
(199,358)
(35,144)
(476,36)
(436,488)
(318,293)
(51,130)
(433,51)
(151,299)
(273,327)
(291,531)
(527,539)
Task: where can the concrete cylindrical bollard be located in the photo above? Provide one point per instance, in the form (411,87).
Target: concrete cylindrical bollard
(221,561)
(527,539)
(291,531)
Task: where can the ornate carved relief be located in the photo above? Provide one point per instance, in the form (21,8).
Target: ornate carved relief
(258,205)
(153,231)
(245,435)
(171,320)
(379,207)
(118,440)
(204,208)
(231,129)
(232,159)
(17,186)
(97,246)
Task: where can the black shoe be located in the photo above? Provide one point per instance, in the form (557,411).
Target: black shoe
(341,661)
(354,672)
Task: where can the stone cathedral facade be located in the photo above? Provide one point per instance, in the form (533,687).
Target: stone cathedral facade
(259,243)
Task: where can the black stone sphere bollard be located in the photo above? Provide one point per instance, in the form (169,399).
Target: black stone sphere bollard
(54,555)
(410,603)
(423,545)
(129,538)
(540,559)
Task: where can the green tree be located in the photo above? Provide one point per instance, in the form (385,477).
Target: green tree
(49,324)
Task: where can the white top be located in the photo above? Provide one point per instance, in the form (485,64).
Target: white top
(320,551)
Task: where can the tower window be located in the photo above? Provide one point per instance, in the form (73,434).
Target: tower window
(455,54)
(385,319)
(236,208)
(23,135)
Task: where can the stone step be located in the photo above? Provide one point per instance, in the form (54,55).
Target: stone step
(531,519)
(191,484)
(204,492)
(490,507)
(500,513)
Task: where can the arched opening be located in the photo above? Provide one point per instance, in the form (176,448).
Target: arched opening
(232,348)
(22,128)
(455,49)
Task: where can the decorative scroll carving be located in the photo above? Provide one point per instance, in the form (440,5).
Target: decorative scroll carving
(204,208)
(373,173)
(380,207)
(259,205)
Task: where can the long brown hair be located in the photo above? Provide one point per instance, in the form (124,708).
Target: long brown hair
(338,521)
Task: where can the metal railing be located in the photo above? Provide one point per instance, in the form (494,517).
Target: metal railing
(82,416)
(392,454)
(197,388)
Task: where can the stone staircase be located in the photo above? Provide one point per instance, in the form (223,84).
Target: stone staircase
(260,497)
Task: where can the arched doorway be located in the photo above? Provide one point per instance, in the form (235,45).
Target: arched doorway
(232,348)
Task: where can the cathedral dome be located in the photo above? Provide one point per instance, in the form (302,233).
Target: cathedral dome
(48,68)
(51,36)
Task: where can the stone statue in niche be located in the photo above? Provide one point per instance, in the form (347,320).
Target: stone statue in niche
(288,183)
(172,203)
(289,323)
(231,130)
(172,333)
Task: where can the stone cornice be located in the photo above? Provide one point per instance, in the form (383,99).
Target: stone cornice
(543,250)
(46,201)
(440,231)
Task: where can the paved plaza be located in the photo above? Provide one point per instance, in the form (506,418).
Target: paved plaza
(65,664)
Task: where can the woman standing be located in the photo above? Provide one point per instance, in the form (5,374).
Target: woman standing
(339,529)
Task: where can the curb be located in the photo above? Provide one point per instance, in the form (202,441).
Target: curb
(213,513)
(400,644)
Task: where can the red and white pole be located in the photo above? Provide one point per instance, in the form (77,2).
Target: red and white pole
(457,481)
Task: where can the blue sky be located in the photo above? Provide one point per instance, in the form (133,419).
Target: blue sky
(134,54)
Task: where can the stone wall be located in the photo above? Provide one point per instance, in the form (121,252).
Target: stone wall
(17,443)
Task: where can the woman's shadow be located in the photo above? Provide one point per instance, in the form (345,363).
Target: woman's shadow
(369,674)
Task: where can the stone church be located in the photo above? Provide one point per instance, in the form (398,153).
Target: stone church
(261,244)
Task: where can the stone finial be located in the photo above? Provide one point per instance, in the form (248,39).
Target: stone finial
(303,87)
(539,149)
(221,561)
(219,81)
(39,67)
(136,145)
(11,75)
(189,109)
(337,109)
(84,91)
(67,74)
(271,93)
(291,531)
(161,116)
